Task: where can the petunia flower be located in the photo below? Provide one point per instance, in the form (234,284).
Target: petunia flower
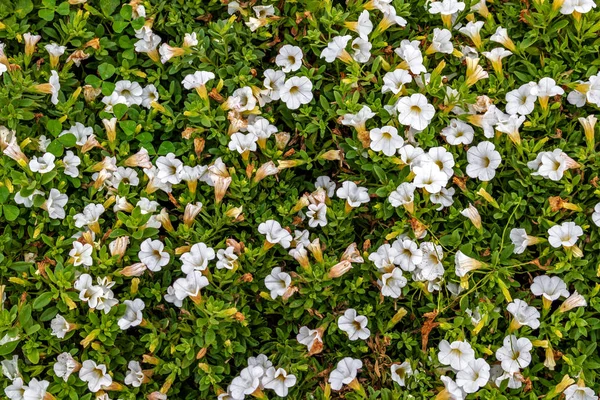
(95,375)
(296,91)
(133,314)
(344,373)
(354,325)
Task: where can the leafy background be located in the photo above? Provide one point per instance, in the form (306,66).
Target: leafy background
(549,45)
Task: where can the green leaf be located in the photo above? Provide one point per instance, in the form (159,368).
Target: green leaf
(54,126)
(4,194)
(166,148)
(106,70)
(128,127)
(68,140)
(11,212)
(119,26)
(46,15)
(42,300)
(23,7)
(120,110)
(8,348)
(109,6)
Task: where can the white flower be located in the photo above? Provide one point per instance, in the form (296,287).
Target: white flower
(309,337)
(59,326)
(10,367)
(16,389)
(88,292)
(275,234)
(384,258)
(472,31)
(273,82)
(453,390)
(131,91)
(197,79)
(135,375)
(42,164)
(169,168)
(385,140)
(242,99)
(354,325)
(595,214)
(133,314)
(430,177)
(247,382)
(574,300)
(80,132)
(262,128)
(475,375)
(328,185)
(409,254)
(483,161)
(362,50)
(54,87)
(71,162)
(353,194)
(189,286)
(36,390)
(289,58)
(551,164)
(278,282)
(317,215)
(458,132)
(551,288)
(296,91)
(524,314)
(190,40)
(392,283)
(495,56)
(412,156)
(508,124)
(149,96)
(90,216)
(580,6)
(127,176)
(576,392)
(278,380)
(446,7)
(520,239)
(443,198)
(521,101)
(242,143)
(547,87)
(412,56)
(153,255)
(457,354)
(415,111)
(465,264)
(64,366)
(359,119)
(443,159)
(441,41)
(95,375)
(344,373)
(336,48)
(395,80)
(55,204)
(400,372)
(514,354)
(403,195)
(226,258)
(565,235)
(82,254)
(197,258)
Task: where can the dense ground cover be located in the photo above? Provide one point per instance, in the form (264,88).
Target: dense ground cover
(314,199)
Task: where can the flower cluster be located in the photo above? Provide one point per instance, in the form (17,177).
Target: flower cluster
(382,199)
